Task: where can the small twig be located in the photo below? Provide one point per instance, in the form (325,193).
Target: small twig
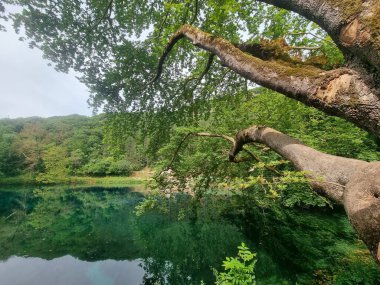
(195,13)
(208,66)
(307,33)
(27,157)
(9,216)
(162,24)
(177,151)
(173,40)
(230,139)
(255,157)
(304,47)
(186,13)
(306,180)
(160,29)
(211,135)
(200,77)
(104,15)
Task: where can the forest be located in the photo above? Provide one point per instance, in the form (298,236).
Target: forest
(52,150)
(271,107)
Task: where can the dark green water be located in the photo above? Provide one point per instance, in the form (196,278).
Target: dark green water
(93,236)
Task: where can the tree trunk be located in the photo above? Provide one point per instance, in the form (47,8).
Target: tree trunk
(350,182)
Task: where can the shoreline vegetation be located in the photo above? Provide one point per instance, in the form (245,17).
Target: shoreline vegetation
(140,178)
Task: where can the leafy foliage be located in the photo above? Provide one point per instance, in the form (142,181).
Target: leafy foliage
(238,270)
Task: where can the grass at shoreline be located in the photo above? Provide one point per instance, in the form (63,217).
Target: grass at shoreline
(140,177)
(108,180)
(76,180)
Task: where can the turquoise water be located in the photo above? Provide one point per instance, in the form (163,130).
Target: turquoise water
(92,236)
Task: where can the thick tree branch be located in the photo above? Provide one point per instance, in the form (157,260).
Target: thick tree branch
(234,159)
(322,12)
(353,183)
(332,169)
(342,92)
(350,182)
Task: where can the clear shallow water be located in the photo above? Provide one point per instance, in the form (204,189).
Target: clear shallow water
(92,236)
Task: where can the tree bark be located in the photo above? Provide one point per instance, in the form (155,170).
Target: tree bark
(343,92)
(350,182)
(352,24)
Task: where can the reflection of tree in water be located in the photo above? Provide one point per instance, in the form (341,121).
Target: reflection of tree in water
(179,244)
(75,222)
(97,224)
(182,252)
(14,207)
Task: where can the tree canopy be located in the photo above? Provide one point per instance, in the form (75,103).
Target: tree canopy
(115,45)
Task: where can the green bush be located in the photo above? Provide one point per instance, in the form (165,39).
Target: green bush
(97,167)
(107,166)
(120,167)
(238,270)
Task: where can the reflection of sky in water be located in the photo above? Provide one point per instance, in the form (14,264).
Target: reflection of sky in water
(68,270)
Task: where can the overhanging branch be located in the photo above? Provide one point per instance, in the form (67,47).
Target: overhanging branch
(231,140)
(341,92)
(353,183)
(251,67)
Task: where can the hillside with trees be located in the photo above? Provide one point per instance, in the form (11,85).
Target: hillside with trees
(52,150)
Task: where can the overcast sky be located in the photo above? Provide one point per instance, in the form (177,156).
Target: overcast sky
(28,87)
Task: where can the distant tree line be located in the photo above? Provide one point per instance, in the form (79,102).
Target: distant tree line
(58,147)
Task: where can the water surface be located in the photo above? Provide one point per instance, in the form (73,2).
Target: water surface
(93,236)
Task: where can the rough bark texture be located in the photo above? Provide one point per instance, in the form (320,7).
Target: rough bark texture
(350,182)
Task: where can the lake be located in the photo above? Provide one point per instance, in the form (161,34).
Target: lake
(63,235)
